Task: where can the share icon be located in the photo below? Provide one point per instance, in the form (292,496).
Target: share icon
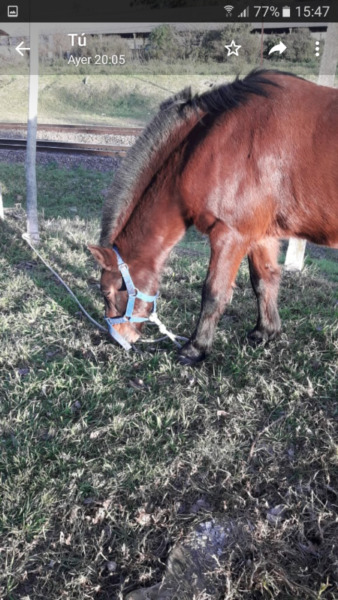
(278,48)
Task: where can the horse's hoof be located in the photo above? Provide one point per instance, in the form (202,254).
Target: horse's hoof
(259,336)
(190,356)
(188,361)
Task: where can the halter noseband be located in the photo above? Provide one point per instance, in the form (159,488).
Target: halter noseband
(133,293)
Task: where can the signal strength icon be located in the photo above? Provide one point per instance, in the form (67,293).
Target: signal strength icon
(228,8)
(244,14)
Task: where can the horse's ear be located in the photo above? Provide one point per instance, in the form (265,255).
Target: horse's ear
(104,256)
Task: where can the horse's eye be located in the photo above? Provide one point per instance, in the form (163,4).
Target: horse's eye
(123,287)
(105,293)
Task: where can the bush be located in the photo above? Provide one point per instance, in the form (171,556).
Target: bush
(164,44)
(107,44)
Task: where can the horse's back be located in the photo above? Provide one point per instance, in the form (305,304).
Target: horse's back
(269,166)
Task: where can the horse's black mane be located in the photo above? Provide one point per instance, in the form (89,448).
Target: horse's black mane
(228,96)
(153,142)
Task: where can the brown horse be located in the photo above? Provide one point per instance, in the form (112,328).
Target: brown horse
(247,163)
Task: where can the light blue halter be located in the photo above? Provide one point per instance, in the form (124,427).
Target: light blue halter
(133,293)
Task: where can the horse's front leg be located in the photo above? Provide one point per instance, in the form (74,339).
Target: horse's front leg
(227,250)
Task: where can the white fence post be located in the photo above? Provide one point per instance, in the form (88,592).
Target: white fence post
(294,260)
(32,207)
(2,216)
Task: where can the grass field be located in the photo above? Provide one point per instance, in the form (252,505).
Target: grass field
(107,459)
(117,99)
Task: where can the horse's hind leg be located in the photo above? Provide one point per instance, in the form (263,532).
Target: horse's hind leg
(227,250)
(265,276)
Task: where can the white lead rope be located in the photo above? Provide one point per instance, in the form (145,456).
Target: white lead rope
(25,236)
(153,318)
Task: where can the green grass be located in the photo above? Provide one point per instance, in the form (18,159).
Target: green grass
(126,100)
(90,437)
(325,265)
(120,98)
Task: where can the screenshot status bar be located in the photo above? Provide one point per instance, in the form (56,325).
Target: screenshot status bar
(236,11)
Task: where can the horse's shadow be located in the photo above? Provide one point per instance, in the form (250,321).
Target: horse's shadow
(24,258)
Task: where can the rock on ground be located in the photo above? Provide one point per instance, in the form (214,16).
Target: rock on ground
(190,572)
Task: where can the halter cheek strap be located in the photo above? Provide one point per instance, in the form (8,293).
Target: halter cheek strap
(133,293)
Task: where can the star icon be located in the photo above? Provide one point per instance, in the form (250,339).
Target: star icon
(232,48)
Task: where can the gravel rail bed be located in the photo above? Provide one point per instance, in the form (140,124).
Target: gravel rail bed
(78,138)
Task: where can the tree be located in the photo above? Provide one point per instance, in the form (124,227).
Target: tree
(164,43)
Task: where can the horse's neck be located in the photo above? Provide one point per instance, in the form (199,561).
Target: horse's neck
(154,227)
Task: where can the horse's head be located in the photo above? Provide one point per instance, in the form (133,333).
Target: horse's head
(114,292)
(125,308)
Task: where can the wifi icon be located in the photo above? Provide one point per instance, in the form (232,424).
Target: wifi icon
(228,8)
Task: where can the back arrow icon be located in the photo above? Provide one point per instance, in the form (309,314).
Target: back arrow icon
(279,48)
(19,48)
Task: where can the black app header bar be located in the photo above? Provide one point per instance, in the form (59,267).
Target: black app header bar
(169,11)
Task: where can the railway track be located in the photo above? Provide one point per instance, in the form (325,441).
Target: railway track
(65,147)
(54,146)
(90,129)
